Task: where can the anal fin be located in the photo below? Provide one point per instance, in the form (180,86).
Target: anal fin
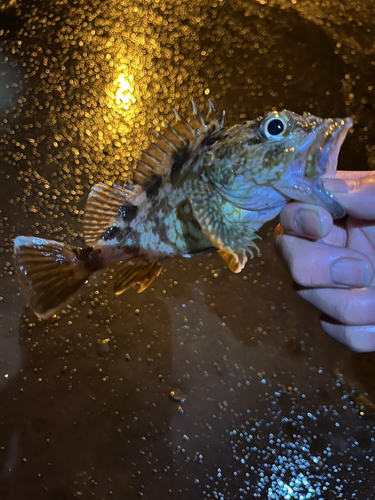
(142,272)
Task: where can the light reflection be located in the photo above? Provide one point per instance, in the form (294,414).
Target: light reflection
(124,95)
(120,114)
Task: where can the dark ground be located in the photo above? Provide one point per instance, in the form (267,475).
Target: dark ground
(208,385)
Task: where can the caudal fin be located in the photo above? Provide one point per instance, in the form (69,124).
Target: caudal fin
(50,273)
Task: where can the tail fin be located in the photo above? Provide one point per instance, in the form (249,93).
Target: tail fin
(50,272)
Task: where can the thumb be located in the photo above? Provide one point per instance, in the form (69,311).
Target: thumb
(355,191)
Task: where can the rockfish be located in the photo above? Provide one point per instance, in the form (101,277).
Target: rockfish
(198,187)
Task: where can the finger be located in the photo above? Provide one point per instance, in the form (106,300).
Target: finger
(315,264)
(355,194)
(350,307)
(337,236)
(357,338)
(361,237)
(351,174)
(309,221)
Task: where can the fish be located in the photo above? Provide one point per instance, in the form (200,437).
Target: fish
(198,187)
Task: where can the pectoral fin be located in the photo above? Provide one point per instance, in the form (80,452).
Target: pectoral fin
(231,237)
(235,261)
(142,272)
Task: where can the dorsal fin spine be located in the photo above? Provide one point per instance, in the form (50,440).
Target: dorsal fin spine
(169,143)
(211,116)
(177,134)
(147,166)
(166,137)
(177,116)
(154,165)
(195,108)
(184,125)
(211,109)
(141,177)
(198,115)
(191,129)
(149,156)
(197,121)
(221,121)
(156,152)
(172,142)
(159,149)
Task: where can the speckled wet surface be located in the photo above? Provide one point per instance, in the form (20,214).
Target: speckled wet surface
(208,385)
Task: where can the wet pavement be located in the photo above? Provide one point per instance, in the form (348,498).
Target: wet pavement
(208,385)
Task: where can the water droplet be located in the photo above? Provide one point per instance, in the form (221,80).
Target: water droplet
(176,395)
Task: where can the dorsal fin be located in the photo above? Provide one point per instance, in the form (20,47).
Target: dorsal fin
(158,158)
(102,206)
(173,144)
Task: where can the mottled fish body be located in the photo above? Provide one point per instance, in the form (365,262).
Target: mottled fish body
(198,187)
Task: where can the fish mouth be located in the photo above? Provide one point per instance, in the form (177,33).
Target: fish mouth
(322,155)
(321,161)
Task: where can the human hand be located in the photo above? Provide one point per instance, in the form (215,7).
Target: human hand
(335,260)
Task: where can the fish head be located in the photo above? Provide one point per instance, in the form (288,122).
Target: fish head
(280,157)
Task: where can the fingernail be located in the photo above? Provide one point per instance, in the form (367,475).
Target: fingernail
(308,222)
(340,185)
(351,272)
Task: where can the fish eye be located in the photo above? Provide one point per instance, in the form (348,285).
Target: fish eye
(274,127)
